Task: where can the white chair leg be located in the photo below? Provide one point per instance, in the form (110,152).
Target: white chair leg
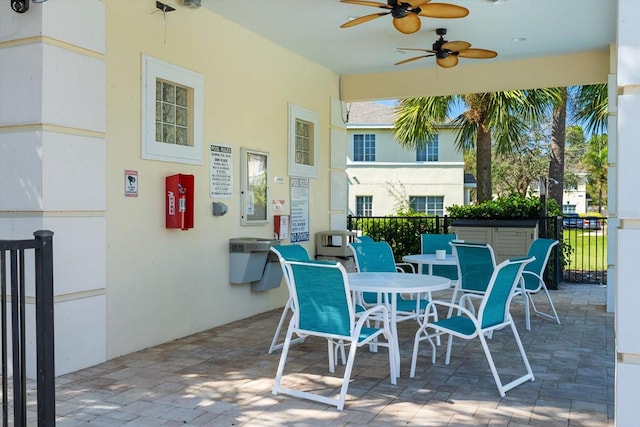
(274,342)
(527,312)
(332,362)
(274,346)
(449,345)
(492,365)
(347,376)
(283,359)
(553,308)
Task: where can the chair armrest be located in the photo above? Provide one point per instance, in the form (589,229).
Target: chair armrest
(399,266)
(461,309)
(371,311)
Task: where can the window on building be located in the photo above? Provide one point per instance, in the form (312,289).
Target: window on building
(569,209)
(428,152)
(364,205)
(364,148)
(430,205)
(172,105)
(303,142)
(173,113)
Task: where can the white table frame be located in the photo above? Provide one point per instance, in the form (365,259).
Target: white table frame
(394,284)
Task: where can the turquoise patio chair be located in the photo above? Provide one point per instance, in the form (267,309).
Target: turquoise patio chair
(291,252)
(476,262)
(533,279)
(493,314)
(365,239)
(324,309)
(378,257)
(429,243)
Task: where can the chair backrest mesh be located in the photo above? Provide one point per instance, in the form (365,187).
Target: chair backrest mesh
(291,252)
(495,304)
(476,264)
(365,239)
(541,249)
(322,301)
(432,242)
(375,256)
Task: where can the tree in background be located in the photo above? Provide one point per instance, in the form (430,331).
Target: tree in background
(575,150)
(557,146)
(499,117)
(595,162)
(591,108)
(514,172)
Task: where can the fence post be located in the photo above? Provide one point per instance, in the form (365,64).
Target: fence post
(44,328)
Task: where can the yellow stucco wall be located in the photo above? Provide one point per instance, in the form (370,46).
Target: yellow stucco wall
(163,284)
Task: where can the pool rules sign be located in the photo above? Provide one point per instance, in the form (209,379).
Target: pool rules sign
(221,182)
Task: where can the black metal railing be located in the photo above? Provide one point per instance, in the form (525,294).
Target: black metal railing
(580,258)
(12,258)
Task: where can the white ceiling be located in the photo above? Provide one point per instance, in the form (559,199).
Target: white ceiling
(311,28)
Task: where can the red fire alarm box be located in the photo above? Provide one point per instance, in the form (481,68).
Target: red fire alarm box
(179,201)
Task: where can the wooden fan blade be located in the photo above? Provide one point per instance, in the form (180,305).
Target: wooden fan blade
(456,46)
(477,53)
(416,3)
(367,3)
(412,59)
(443,10)
(363,19)
(407,25)
(448,62)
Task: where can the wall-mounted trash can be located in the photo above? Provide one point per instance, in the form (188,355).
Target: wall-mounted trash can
(248,260)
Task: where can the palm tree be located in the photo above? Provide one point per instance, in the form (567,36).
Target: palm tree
(500,117)
(596,163)
(557,145)
(591,106)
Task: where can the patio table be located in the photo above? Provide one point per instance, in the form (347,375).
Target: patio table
(385,283)
(429,260)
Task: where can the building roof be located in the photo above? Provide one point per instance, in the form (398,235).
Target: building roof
(371,113)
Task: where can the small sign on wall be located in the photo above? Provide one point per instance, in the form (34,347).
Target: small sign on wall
(130,183)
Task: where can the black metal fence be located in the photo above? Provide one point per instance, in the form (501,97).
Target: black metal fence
(580,258)
(12,267)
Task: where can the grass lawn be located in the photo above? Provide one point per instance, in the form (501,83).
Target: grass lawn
(589,249)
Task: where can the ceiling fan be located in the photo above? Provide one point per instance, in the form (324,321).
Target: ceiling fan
(405,13)
(447,53)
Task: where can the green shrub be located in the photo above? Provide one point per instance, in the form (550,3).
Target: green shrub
(506,207)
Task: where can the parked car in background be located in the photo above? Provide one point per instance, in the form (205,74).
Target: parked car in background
(572,220)
(592,223)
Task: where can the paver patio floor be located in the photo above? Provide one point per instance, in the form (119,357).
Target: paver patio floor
(224,376)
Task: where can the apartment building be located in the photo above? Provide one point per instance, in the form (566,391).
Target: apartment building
(383,177)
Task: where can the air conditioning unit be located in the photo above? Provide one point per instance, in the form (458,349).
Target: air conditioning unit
(192,3)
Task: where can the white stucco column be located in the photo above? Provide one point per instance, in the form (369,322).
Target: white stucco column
(628,213)
(52,161)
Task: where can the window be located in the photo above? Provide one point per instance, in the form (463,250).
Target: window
(569,209)
(172,105)
(428,152)
(303,142)
(174,113)
(254,187)
(430,205)
(364,148)
(364,205)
